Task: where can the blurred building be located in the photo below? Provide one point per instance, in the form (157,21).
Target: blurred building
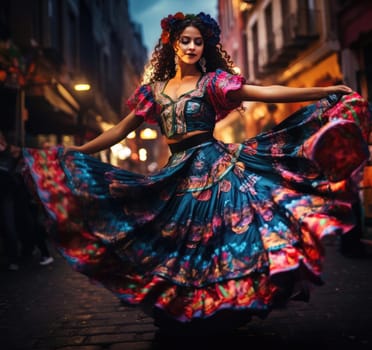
(231,18)
(289,42)
(49,46)
(355,34)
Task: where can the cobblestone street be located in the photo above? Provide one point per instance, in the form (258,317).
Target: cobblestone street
(54,307)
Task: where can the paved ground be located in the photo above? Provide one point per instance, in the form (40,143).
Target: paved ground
(54,307)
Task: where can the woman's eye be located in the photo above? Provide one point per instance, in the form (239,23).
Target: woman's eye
(197,42)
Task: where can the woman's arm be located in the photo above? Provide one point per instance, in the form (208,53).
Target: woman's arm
(278,93)
(110,137)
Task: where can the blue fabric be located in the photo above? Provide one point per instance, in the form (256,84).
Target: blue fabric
(210,231)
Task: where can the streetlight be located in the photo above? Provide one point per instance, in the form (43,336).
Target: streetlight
(81,87)
(148,134)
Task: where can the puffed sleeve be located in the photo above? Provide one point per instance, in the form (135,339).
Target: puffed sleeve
(219,84)
(142,102)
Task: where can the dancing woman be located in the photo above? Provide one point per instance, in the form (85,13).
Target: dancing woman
(222,232)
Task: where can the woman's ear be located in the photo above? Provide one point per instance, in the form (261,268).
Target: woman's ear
(175,49)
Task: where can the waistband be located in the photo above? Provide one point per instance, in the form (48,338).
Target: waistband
(191,141)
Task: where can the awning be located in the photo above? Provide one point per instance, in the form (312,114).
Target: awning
(45,118)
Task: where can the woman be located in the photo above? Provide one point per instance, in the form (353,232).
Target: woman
(224,231)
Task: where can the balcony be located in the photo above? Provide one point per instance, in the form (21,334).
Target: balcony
(299,31)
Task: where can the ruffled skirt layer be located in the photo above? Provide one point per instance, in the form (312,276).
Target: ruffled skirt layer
(222,227)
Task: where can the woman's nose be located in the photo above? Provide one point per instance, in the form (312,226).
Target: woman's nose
(192,45)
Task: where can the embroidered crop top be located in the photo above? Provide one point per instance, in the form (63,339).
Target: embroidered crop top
(198,109)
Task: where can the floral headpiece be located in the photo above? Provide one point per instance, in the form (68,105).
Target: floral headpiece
(169,24)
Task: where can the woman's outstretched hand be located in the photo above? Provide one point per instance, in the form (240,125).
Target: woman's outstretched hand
(339,89)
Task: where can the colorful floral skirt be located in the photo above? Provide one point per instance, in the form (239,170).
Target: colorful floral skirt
(222,227)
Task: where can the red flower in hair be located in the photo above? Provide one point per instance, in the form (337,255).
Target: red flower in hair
(167,23)
(165,37)
(179,16)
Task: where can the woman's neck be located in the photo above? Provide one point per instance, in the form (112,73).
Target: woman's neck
(186,71)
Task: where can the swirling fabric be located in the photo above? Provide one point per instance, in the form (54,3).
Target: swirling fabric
(221,226)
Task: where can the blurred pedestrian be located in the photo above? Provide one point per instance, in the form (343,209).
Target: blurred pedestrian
(31,226)
(8,160)
(21,218)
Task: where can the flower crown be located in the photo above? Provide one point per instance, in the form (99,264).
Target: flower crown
(169,24)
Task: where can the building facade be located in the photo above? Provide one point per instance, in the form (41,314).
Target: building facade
(46,48)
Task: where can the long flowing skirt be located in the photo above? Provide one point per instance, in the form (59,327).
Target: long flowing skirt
(222,228)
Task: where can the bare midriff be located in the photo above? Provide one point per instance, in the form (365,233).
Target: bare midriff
(179,138)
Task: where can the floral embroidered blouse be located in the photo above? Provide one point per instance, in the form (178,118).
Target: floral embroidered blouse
(197,109)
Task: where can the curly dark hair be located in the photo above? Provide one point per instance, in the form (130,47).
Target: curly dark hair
(162,60)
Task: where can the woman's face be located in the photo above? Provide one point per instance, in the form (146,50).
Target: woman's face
(190,45)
